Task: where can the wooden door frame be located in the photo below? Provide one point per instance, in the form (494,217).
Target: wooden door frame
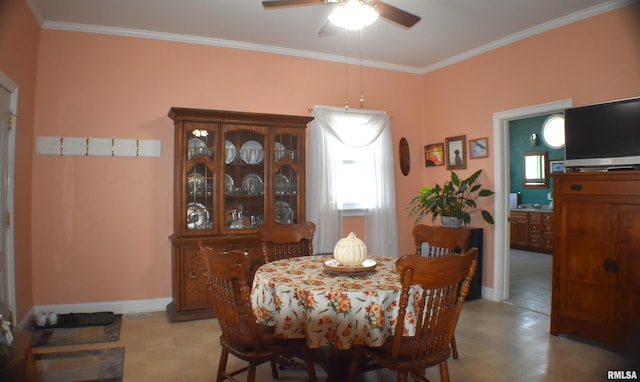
(12,88)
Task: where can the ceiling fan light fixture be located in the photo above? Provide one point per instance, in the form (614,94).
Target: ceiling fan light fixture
(353,15)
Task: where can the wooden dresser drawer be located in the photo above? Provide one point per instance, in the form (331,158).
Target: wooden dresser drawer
(534,227)
(535,217)
(547,242)
(519,216)
(535,241)
(593,187)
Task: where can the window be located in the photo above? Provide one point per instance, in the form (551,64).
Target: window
(350,171)
(356,179)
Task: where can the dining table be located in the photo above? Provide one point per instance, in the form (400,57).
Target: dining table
(331,306)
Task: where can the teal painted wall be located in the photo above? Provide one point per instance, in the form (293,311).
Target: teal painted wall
(519,133)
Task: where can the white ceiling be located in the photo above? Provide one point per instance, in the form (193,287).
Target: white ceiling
(450,30)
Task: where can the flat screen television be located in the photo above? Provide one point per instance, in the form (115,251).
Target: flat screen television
(603,136)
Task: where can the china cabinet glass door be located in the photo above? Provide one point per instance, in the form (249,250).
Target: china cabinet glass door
(287,181)
(244,178)
(200,177)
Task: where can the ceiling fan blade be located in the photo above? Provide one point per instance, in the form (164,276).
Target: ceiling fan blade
(287,3)
(394,14)
(328,29)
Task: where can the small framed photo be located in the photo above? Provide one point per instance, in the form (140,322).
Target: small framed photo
(456,153)
(479,148)
(556,166)
(434,155)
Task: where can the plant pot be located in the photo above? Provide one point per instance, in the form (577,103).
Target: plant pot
(450,221)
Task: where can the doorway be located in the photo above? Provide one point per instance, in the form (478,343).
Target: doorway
(530,271)
(530,280)
(501,186)
(8,111)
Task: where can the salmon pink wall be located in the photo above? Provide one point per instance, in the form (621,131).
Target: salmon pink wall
(101,225)
(19,34)
(593,60)
(96,228)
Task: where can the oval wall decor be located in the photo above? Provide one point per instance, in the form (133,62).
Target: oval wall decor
(405,160)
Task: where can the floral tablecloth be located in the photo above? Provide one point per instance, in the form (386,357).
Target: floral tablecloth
(302,299)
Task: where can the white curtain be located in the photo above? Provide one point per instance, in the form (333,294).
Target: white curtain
(331,128)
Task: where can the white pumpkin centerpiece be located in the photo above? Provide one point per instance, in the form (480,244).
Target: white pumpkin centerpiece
(350,251)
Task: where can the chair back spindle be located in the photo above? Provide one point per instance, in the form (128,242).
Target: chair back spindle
(434,241)
(284,241)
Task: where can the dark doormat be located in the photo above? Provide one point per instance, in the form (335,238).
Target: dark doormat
(98,365)
(73,320)
(92,330)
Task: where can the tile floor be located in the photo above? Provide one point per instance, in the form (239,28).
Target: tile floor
(530,280)
(496,341)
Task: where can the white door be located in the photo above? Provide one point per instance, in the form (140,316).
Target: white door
(8,97)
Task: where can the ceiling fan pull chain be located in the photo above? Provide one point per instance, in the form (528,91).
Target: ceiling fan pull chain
(346,70)
(361,81)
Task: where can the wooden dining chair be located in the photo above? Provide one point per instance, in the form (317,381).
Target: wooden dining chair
(284,241)
(443,286)
(439,240)
(434,241)
(226,274)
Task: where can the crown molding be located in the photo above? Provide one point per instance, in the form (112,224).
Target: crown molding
(541,28)
(538,29)
(74,27)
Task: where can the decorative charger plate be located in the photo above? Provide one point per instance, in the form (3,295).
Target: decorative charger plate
(280,151)
(230,150)
(252,152)
(229,184)
(282,184)
(366,266)
(284,213)
(196,147)
(197,216)
(196,184)
(252,184)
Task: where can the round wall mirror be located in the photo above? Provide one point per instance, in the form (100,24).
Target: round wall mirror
(553,131)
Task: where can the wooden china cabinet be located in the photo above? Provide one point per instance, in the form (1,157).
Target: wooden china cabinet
(232,172)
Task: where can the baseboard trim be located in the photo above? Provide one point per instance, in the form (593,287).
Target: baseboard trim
(118,307)
(488,294)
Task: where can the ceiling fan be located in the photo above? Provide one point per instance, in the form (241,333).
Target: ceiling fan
(385,10)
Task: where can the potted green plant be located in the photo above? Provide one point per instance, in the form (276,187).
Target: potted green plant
(455,199)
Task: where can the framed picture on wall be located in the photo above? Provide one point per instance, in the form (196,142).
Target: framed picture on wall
(556,166)
(456,153)
(434,154)
(479,148)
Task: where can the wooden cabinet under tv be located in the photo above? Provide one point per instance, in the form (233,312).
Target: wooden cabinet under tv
(596,262)
(232,172)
